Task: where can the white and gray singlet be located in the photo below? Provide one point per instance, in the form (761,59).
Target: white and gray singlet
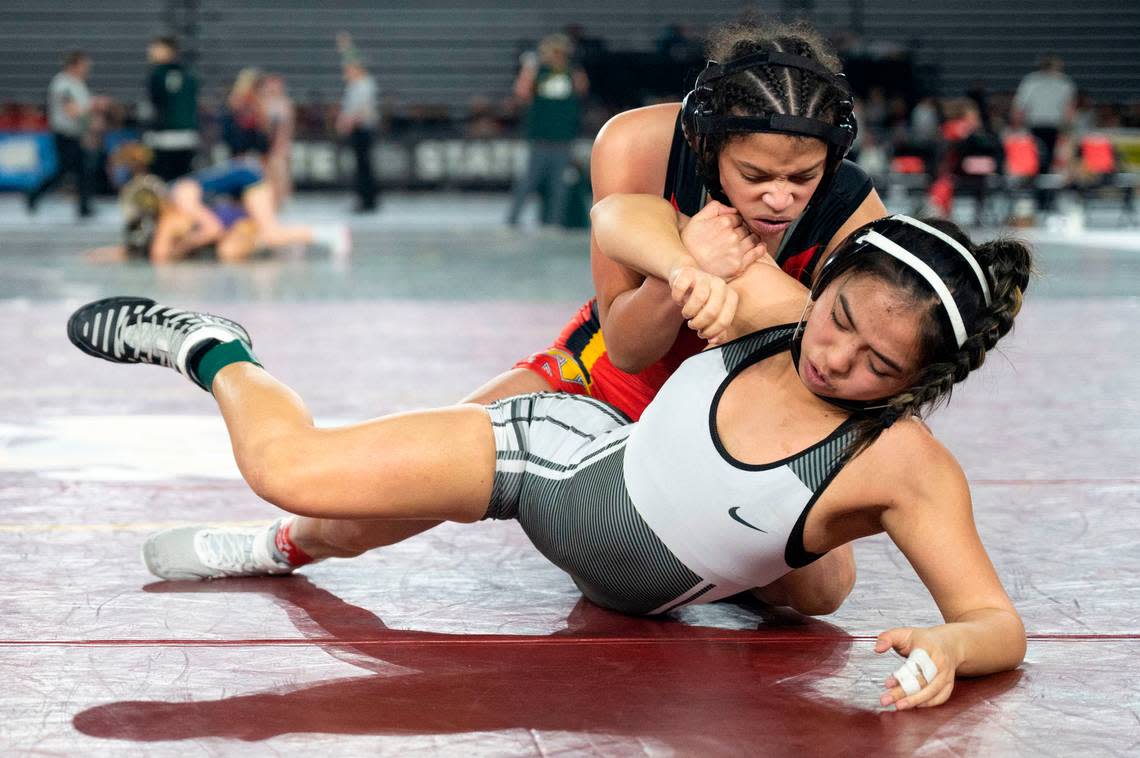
(651,516)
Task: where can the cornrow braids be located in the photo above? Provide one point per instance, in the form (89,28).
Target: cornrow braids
(769,90)
(1009,265)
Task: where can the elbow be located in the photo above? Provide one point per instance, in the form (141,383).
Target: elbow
(627,361)
(606,228)
(631,357)
(1015,642)
(1021,645)
(601,213)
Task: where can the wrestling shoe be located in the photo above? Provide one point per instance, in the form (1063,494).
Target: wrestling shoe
(206,552)
(139,330)
(337,239)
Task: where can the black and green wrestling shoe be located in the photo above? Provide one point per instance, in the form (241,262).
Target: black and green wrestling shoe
(139,330)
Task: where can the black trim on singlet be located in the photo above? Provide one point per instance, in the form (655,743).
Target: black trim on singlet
(795,554)
(769,347)
(815,474)
(684,188)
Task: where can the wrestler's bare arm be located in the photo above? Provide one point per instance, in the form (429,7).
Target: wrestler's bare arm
(639,319)
(930,518)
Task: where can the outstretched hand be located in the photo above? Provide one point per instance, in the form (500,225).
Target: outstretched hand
(707,302)
(720,241)
(927,677)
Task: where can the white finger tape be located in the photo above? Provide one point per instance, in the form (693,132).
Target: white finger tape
(907,680)
(922,659)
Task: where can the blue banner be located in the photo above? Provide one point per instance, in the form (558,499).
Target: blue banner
(26,158)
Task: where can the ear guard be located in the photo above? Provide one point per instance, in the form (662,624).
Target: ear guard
(699,119)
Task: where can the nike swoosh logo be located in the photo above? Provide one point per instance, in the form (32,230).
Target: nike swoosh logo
(732,512)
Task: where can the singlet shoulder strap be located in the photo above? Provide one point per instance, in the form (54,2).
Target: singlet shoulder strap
(815,465)
(757,346)
(683,186)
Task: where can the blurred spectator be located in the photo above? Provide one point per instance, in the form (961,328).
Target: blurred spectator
(554,88)
(70,111)
(981,99)
(925,122)
(922,139)
(1044,103)
(975,156)
(872,157)
(358,119)
(279,118)
(173,93)
(243,122)
(876,113)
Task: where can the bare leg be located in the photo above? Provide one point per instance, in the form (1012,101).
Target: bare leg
(435,465)
(260,203)
(238,243)
(334,538)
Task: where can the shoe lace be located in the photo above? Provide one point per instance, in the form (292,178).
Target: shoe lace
(157,333)
(229,551)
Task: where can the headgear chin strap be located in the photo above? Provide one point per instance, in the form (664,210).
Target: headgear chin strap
(700,120)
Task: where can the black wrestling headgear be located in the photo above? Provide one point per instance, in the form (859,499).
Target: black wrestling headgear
(700,120)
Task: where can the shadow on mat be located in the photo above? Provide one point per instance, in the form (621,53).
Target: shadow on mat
(698,689)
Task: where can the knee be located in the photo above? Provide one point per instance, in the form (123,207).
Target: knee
(823,603)
(817,589)
(827,596)
(278,472)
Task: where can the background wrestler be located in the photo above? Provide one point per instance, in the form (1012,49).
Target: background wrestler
(228,210)
(768,180)
(632,511)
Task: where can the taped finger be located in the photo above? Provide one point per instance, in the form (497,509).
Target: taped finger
(924,662)
(907,680)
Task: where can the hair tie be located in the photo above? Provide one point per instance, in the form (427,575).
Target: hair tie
(888,417)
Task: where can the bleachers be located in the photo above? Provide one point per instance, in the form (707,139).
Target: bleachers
(444,51)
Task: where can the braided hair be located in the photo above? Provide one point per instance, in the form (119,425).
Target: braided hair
(768,90)
(1006,265)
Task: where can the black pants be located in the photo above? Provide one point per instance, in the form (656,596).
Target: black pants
(365,180)
(171,164)
(72,159)
(1047,136)
(1047,139)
